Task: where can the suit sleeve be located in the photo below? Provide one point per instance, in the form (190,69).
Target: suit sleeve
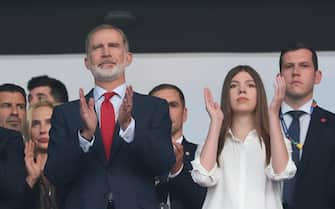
(64,152)
(14,191)
(152,142)
(330,182)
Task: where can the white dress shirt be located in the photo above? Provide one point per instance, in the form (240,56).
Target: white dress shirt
(304,119)
(116,100)
(243,180)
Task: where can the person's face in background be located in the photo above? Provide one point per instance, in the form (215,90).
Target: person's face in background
(40,93)
(299,74)
(107,56)
(40,126)
(12,110)
(178,112)
(243,93)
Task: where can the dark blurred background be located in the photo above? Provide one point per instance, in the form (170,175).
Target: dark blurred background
(54,27)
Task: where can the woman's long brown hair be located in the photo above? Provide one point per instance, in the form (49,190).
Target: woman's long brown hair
(261,110)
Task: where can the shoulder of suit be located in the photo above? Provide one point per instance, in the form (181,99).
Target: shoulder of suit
(71,104)
(324,112)
(149,99)
(138,98)
(189,144)
(10,137)
(7,133)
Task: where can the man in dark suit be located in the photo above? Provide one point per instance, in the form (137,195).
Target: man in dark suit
(12,107)
(313,185)
(96,168)
(14,191)
(177,189)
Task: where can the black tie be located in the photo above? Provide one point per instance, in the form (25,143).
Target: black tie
(294,133)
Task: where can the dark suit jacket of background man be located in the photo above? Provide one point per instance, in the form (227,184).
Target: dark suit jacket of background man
(14,192)
(87,177)
(183,192)
(315,177)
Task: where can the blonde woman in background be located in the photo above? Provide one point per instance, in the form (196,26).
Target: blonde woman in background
(37,140)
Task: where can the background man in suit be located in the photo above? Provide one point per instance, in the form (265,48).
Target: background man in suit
(178,190)
(97,170)
(313,185)
(14,190)
(12,107)
(46,88)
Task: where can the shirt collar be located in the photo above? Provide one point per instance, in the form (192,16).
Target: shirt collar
(285,108)
(120,91)
(252,133)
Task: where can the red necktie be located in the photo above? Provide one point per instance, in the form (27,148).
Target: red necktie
(107,123)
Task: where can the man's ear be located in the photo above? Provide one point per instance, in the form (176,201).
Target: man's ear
(185,115)
(318,77)
(129,58)
(87,62)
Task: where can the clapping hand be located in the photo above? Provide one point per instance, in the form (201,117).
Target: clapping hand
(88,116)
(126,107)
(34,165)
(213,108)
(179,154)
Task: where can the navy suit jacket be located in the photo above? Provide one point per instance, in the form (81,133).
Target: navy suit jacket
(14,192)
(86,178)
(183,192)
(315,177)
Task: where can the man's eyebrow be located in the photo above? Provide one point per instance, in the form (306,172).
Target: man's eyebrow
(41,94)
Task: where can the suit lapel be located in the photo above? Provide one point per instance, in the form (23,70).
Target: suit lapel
(117,140)
(187,150)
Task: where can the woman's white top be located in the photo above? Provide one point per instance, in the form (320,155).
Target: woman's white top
(243,180)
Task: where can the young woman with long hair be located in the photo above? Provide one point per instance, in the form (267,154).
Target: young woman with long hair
(245,156)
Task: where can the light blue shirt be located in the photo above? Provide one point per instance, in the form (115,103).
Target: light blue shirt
(98,95)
